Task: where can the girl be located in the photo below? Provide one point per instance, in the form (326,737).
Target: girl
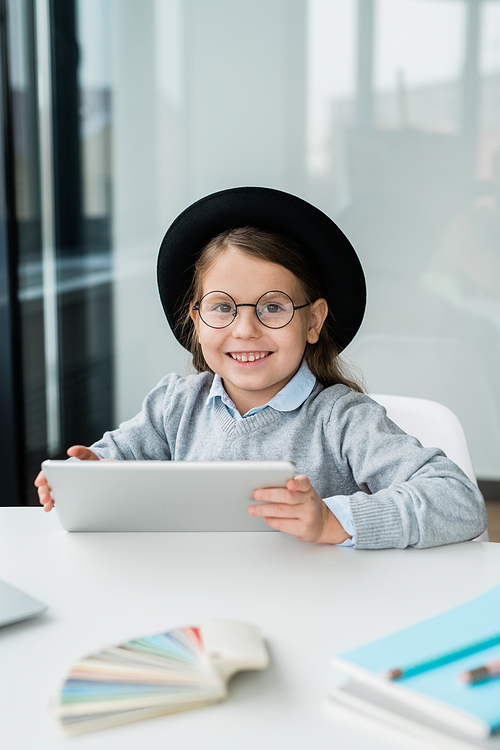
(265,291)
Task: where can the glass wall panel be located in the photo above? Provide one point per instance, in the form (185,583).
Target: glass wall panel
(384,113)
(28,235)
(204,95)
(61,240)
(419,203)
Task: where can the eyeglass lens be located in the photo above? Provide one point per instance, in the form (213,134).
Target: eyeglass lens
(274,309)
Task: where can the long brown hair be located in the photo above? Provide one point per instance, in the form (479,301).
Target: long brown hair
(322,357)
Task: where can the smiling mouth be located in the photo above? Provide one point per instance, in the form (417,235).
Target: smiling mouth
(248,356)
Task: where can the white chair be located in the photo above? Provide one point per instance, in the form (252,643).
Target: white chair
(434,425)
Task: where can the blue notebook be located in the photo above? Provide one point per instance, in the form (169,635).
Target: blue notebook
(432,654)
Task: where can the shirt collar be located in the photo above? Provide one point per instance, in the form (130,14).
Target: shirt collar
(291,396)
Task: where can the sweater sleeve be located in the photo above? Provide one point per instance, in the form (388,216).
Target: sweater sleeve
(409,495)
(143,437)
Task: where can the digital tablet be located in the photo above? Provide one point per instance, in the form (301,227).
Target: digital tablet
(161,495)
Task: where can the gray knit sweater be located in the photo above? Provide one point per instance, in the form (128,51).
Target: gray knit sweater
(400,493)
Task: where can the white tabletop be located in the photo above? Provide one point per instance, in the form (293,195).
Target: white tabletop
(310,601)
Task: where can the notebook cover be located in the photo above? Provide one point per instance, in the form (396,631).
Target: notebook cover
(438,689)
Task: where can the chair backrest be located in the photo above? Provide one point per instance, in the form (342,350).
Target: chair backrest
(434,425)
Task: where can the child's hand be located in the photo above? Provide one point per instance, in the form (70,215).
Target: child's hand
(299,510)
(44,496)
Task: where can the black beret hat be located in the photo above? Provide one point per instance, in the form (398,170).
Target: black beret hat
(325,247)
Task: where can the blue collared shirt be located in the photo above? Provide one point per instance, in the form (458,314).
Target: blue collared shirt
(291,396)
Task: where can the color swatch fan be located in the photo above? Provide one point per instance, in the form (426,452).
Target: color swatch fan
(158,674)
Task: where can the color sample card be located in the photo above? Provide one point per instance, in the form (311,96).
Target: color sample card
(155,675)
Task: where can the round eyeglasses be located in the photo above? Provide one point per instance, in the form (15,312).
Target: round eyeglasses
(274,309)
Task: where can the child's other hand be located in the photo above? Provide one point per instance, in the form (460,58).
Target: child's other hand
(44,496)
(299,510)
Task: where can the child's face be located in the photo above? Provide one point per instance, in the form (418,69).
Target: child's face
(279,351)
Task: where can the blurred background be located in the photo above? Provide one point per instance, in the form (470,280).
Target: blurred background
(116,114)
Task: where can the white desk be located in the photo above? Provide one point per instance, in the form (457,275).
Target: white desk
(309,601)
